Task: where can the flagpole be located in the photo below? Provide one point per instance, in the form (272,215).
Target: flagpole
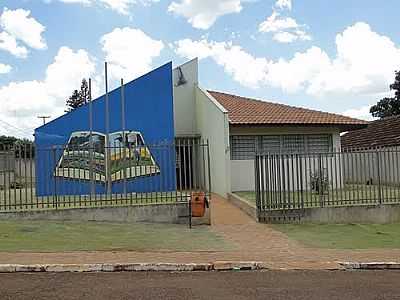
(107,120)
(123,133)
(91,147)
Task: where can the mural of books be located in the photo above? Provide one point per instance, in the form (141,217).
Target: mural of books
(86,156)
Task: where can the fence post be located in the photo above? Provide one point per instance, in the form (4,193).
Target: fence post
(190,211)
(379,176)
(257,183)
(209,170)
(55,203)
(299,165)
(321,188)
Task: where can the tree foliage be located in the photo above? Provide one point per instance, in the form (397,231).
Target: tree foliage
(78,98)
(12,140)
(389,106)
(8,140)
(23,148)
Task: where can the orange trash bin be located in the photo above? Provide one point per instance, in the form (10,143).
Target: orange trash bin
(199,204)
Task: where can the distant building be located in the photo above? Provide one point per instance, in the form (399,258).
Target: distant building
(379,133)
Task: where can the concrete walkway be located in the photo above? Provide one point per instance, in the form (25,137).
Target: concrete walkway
(253,242)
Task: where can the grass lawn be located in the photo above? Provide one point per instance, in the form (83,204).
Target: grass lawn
(249,196)
(351,194)
(346,236)
(48,236)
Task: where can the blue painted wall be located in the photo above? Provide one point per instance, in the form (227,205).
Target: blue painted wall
(148,109)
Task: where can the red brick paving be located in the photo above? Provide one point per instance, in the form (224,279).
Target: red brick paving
(253,241)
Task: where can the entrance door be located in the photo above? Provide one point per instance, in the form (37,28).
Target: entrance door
(186,164)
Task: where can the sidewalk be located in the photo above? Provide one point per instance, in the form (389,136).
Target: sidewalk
(253,241)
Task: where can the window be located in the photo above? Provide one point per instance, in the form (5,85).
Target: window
(271,143)
(243,147)
(319,143)
(292,144)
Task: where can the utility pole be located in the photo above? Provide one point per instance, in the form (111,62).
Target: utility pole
(44,118)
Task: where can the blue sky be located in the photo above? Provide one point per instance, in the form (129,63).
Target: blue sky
(338,57)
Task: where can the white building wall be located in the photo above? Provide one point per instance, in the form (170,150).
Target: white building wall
(242,171)
(242,175)
(197,113)
(213,125)
(184,99)
(372,166)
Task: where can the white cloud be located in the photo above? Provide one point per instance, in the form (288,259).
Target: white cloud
(253,71)
(364,64)
(284,4)
(359,113)
(285,29)
(21,26)
(4,69)
(121,6)
(202,14)
(244,68)
(67,71)
(289,37)
(23,101)
(129,52)
(75,1)
(274,23)
(9,44)
(295,74)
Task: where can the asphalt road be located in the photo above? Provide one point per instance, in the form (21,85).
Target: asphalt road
(212,285)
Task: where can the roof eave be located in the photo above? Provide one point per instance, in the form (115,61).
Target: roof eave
(342,127)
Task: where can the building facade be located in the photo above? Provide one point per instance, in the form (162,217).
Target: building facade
(235,127)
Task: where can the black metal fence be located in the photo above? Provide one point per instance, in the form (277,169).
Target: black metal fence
(289,183)
(69,176)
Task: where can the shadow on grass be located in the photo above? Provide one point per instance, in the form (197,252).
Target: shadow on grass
(50,236)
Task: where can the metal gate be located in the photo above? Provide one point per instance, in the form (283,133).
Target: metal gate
(275,204)
(286,185)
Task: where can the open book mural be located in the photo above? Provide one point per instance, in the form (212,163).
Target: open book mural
(90,155)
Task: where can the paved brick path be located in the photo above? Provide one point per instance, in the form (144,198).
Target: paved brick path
(253,241)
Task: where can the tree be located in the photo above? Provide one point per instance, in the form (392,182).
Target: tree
(84,93)
(7,141)
(389,106)
(78,98)
(23,148)
(73,101)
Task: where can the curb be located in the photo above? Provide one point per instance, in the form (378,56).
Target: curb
(243,205)
(132,267)
(370,265)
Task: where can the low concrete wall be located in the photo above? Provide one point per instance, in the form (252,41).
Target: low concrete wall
(242,204)
(379,214)
(152,213)
(155,213)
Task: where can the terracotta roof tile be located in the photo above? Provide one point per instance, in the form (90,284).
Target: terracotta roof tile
(246,111)
(379,133)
